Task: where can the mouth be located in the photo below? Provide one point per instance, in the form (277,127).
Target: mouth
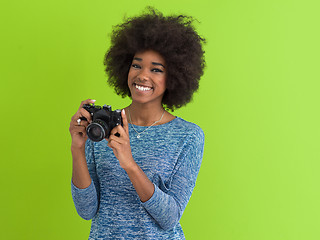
(142,87)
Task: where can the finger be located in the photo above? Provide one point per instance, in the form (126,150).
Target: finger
(125,121)
(113,144)
(88,101)
(82,112)
(77,129)
(119,129)
(80,123)
(86,114)
(116,139)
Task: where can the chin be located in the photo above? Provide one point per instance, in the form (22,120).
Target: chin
(145,100)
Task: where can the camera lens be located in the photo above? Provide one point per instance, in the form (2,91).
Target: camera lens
(97,130)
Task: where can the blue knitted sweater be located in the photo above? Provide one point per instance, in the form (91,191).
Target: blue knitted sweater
(170,155)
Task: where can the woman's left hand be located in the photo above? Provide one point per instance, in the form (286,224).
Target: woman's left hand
(121,145)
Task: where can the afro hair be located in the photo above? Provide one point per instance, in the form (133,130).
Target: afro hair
(174,38)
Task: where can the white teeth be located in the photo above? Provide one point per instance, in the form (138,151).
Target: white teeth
(142,88)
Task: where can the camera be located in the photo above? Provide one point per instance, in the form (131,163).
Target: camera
(103,121)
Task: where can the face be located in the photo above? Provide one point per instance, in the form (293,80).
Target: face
(147,77)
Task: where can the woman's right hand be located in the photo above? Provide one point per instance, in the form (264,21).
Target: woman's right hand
(78,131)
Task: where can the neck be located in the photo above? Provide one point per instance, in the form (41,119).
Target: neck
(144,114)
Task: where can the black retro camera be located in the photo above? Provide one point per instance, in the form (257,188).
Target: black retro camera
(103,121)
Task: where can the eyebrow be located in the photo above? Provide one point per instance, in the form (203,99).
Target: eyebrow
(154,63)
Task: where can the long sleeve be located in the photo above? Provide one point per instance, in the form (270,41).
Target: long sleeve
(86,200)
(169,200)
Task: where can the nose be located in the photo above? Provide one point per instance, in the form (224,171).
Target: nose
(144,75)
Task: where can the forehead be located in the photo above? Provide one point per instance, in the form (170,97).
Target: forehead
(150,56)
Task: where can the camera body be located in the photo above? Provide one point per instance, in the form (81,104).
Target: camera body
(103,121)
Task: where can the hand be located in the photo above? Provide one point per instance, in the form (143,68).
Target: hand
(78,132)
(121,144)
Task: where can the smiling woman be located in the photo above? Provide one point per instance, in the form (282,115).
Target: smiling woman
(174,39)
(147,79)
(136,183)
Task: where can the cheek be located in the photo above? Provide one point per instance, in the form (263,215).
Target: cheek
(164,83)
(130,76)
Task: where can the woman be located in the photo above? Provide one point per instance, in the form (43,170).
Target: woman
(137,183)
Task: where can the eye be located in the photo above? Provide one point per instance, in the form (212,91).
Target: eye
(135,65)
(156,70)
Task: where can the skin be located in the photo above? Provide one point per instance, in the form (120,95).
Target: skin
(148,71)
(80,173)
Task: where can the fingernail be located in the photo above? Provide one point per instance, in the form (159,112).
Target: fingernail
(92,100)
(123,111)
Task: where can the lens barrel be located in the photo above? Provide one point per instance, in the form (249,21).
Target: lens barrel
(97,130)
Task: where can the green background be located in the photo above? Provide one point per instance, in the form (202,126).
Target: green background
(258,104)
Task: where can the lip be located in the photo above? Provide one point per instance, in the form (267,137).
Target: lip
(139,91)
(142,85)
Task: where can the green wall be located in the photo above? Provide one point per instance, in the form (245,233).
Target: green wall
(258,104)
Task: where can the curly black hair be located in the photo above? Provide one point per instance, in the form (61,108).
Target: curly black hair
(174,38)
